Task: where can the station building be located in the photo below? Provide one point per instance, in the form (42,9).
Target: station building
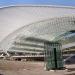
(30,26)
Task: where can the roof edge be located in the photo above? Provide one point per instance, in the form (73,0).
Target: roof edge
(39,5)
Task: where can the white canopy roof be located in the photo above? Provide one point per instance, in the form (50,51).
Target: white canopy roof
(34,20)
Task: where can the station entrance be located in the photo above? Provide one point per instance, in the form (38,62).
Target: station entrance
(53,56)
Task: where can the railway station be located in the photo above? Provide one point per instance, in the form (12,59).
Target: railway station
(38,33)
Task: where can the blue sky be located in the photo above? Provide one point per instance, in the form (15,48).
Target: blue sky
(49,2)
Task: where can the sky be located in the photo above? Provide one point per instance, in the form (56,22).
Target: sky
(49,2)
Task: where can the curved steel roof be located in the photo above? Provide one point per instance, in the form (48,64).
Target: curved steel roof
(37,21)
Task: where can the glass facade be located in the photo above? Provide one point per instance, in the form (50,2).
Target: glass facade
(53,56)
